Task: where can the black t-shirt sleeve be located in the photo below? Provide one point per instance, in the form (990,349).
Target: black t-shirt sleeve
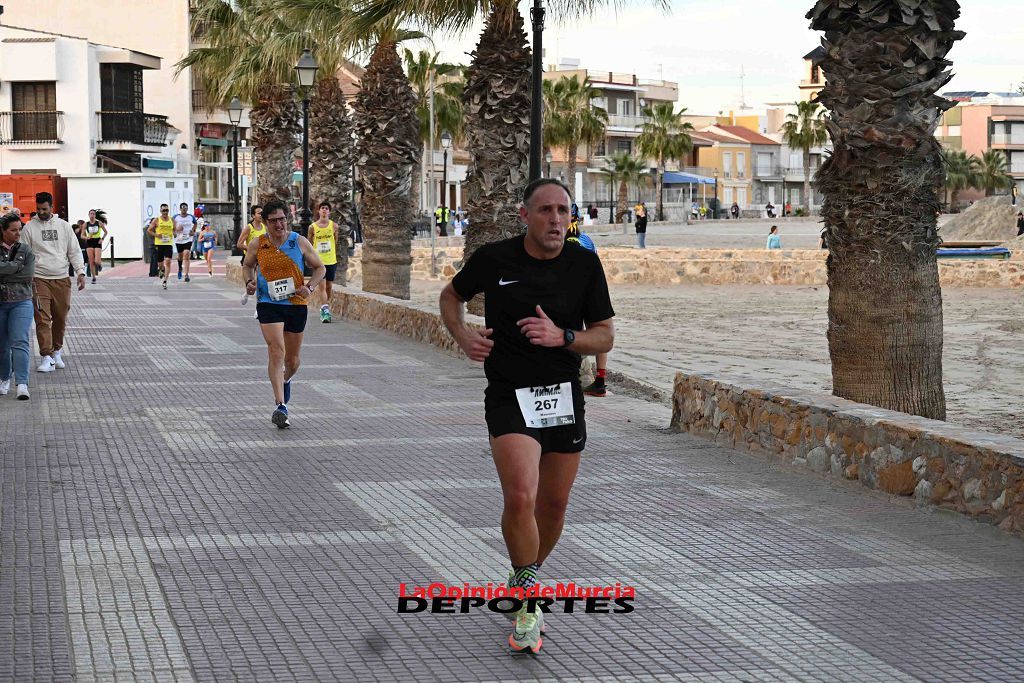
(470,281)
(598,303)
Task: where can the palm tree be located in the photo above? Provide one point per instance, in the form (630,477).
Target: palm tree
(570,118)
(804,131)
(237,60)
(961,173)
(387,146)
(664,136)
(625,170)
(423,69)
(881,196)
(496,97)
(994,172)
(331,156)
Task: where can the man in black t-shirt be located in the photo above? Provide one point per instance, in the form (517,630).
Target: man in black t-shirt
(540,293)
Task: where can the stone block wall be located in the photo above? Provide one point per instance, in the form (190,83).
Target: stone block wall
(672,266)
(977,474)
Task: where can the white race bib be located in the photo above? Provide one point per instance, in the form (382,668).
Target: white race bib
(323,247)
(548,406)
(281,289)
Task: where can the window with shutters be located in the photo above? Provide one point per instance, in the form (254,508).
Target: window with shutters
(33,111)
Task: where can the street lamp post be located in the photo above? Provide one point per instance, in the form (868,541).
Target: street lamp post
(235,116)
(537,74)
(305,69)
(446,142)
(548,158)
(714,211)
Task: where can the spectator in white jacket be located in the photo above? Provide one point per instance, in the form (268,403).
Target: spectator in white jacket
(56,247)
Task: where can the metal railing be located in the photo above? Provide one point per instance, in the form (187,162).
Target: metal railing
(768,171)
(31,127)
(133,126)
(626,121)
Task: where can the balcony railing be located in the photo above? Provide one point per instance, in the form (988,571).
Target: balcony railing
(625,121)
(31,127)
(768,171)
(198,99)
(133,126)
(1007,139)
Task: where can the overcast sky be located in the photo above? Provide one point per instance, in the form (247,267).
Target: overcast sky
(704,44)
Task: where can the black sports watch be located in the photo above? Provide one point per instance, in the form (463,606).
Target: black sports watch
(569,337)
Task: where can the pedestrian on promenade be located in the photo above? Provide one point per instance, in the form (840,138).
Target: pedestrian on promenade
(208,243)
(773,238)
(641,225)
(17,267)
(597,388)
(735,210)
(55,246)
(325,241)
(770,209)
(161,229)
(253,230)
(1020,223)
(184,229)
(539,296)
(282,298)
(95,231)
(79,228)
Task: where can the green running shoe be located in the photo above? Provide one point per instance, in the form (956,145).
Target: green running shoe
(526,632)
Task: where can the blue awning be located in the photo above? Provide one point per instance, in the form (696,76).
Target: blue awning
(157,163)
(686,179)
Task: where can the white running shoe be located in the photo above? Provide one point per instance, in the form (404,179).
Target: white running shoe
(22,392)
(47,365)
(5,387)
(58,361)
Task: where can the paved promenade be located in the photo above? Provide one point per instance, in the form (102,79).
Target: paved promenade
(154,525)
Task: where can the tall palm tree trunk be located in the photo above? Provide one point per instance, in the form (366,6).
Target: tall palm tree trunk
(570,168)
(881,197)
(807,182)
(274,129)
(661,190)
(497,108)
(388,148)
(331,157)
(622,203)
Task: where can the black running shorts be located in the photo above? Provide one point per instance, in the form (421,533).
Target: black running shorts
(501,410)
(183,246)
(293,316)
(164,251)
(94,243)
(332,271)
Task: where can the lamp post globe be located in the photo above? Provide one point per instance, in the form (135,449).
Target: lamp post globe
(305,70)
(548,158)
(235,116)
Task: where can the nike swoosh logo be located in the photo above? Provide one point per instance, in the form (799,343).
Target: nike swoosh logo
(576,441)
(502,282)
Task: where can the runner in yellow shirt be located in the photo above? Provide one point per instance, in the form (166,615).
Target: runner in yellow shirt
(253,230)
(324,236)
(161,229)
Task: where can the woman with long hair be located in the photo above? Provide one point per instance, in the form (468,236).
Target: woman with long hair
(95,232)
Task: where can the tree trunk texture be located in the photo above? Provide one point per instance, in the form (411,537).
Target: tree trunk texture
(388,148)
(661,191)
(622,203)
(497,100)
(570,170)
(331,155)
(275,129)
(807,184)
(884,63)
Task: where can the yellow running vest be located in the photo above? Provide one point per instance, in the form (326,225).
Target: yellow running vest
(324,243)
(164,232)
(256,232)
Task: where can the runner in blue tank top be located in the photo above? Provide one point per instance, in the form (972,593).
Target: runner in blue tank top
(282,298)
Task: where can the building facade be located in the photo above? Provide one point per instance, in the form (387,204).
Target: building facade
(71,106)
(982,121)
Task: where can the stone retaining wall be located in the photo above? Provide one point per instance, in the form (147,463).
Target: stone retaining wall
(977,474)
(672,266)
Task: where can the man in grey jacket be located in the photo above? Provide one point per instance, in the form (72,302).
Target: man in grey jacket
(56,247)
(17,266)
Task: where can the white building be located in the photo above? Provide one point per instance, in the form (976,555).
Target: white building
(72,106)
